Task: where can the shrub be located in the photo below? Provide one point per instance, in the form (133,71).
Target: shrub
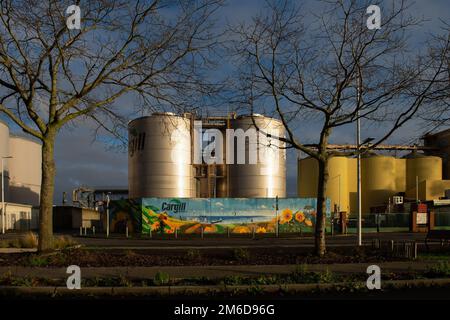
(193,254)
(241,254)
(161,278)
(63,242)
(29,240)
(14,243)
(38,261)
(442,269)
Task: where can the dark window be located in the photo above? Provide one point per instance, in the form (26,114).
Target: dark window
(139,141)
(143,141)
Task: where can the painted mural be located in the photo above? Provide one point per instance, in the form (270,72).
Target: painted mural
(214,215)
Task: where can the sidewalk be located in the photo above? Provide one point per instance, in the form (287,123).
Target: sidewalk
(211,271)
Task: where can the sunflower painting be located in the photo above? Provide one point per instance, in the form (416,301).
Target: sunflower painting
(286,216)
(195,216)
(299,216)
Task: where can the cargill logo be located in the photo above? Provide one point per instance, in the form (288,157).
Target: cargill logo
(174,206)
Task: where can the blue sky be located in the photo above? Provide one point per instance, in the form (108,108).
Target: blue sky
(82,160)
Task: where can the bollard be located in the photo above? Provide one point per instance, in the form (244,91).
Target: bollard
(85,231)
(415,250)
(81,231)
(392,245)
(93,230)
(126,231)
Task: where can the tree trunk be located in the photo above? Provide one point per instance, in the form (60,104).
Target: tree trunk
(47,190)
(320,245)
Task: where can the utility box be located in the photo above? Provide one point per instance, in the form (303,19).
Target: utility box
(421,220)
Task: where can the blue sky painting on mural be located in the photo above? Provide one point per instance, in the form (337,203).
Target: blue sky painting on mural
(214,215)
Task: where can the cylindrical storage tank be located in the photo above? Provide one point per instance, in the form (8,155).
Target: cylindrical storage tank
(378,181)
(337,185)
(159,157)
(422,167)
(307,177)
(4,152)
(25,170)
(258,166)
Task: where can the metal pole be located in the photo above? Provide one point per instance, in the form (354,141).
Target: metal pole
(3,197)
(107,215)
(276,216)
(358,144)
(417,189)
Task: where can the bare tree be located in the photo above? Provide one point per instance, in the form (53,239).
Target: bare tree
(333,72)
(436,114)
(51,75)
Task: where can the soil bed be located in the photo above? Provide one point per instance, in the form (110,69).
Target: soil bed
(205,257)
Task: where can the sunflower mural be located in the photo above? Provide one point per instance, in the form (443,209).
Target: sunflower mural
(209,215)
(298,221)
(286,216)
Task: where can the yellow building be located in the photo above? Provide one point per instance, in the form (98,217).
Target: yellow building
(381,178)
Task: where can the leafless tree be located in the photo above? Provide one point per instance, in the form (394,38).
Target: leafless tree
(333,71)
(51,75)
(436,113)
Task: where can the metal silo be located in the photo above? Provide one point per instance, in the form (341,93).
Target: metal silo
(307,177)
(4,152)
(267,176)
(159,157)
(421,167)
(337,188)
(25,170)
(337,184)
(378,176)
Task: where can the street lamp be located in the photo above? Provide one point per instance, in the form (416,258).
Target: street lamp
(107,214)
(3,193)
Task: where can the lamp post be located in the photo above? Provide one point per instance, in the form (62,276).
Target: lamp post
(3,193)
(107,214)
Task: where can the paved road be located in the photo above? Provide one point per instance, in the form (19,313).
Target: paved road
(209,242)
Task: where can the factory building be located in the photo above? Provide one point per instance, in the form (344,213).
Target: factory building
(413,176)
(166,157)
(22,179)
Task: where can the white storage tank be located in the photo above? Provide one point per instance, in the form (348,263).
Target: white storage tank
(4,152)
(25,170)
(159,157)
(266,178)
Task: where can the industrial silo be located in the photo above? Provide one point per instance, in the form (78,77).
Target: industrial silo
(159,157)
(337,188)
(4,152)
(378,180)
(337,184)
(420,167)
(307,177)
(266,176)
(25,170)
